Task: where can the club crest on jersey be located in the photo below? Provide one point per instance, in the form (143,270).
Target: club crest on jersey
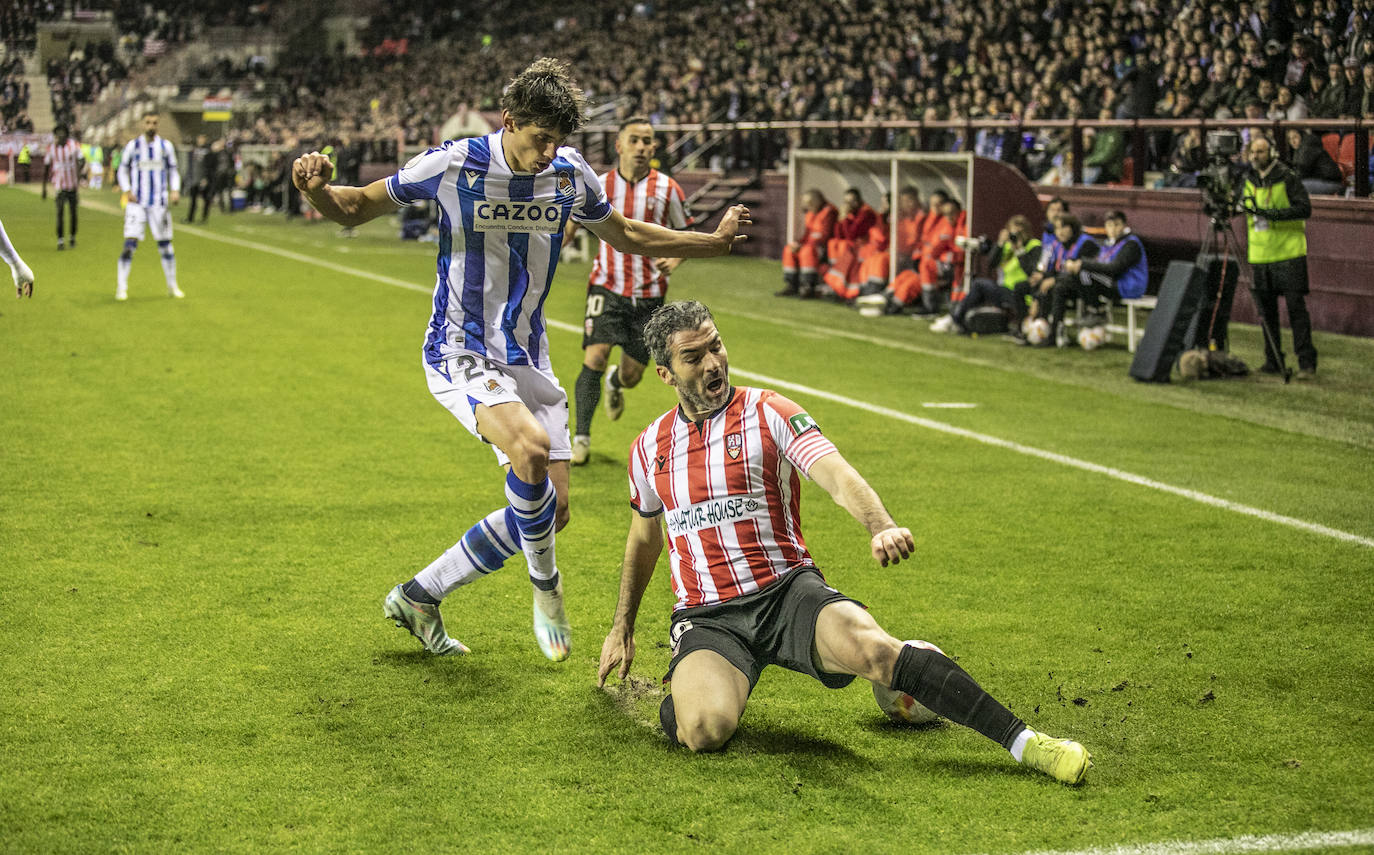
(565,184)
(733,443)
(489,216)
(492,385)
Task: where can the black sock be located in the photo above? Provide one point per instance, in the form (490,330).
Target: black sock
(417,592)
(667,717)
(937,682)
(587,392)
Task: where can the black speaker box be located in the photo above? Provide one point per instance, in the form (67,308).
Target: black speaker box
(1180,295)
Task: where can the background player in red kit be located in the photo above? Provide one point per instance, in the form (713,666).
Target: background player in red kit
(624,289)
(720,473)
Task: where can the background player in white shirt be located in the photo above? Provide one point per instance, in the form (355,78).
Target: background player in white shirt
(149,181)
(623,289)
(504,200)
(720,471)
(23,276)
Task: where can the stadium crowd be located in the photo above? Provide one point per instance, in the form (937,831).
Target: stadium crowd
(870,60)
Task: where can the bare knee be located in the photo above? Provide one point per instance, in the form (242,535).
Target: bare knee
(529,455)
(875,656)
(707,731)
(631,372)
(595,357)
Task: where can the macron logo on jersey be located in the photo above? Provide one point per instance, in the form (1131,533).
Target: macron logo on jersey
(517,217)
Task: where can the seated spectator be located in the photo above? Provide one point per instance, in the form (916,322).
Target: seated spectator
(802,260)
(1367,82)
(1288,105)
(910,217)
(905,290)
(1105,161)
(941,268)
(1120,270)
(1319,98)
(1313,165)
(1013,256)
(1353,89)
(1058,284)
(841,251)
(1187,159)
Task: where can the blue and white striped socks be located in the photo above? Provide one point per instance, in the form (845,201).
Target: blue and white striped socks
(527,522)
(533,507)
(483,550)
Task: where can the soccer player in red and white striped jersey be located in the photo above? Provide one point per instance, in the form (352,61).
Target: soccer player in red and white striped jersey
(721,473)
(63,165)
(625,289)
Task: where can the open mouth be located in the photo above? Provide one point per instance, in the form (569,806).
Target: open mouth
(716,386)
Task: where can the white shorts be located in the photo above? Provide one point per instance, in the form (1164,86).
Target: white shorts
(462,382)
(158,220)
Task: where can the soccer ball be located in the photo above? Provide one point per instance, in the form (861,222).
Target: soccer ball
(1091,338)
(901,707)
(1037,331)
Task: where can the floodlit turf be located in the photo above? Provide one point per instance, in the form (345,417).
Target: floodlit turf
(203,502)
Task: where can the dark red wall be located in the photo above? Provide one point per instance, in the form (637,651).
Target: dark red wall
(1340,240)
(1340,247)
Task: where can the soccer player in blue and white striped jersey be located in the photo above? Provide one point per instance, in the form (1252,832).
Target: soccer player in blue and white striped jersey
(150,180)
(503,201)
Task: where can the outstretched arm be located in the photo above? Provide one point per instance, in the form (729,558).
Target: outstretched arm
(641,238)
(347,206)
(890,542)
(23,276)
(642,549)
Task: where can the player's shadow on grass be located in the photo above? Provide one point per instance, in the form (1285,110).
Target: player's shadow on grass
(468,675)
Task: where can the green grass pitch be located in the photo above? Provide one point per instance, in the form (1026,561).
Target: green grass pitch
(203,502)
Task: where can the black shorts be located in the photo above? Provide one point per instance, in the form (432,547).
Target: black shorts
(775,626)
(613,319)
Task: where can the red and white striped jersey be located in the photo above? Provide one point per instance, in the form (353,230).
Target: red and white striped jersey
(62,163)
(657,199)
(729,493)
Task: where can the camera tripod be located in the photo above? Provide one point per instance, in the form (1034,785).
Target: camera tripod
(1221,240)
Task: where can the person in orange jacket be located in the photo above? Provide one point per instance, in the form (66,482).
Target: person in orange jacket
(910,219)
(803,261)
(906,289)
(857,218)
(941,270)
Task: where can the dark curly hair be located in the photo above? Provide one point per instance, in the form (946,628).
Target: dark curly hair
(544,95)
(672,318)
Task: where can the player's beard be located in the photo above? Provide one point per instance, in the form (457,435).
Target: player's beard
(700,398)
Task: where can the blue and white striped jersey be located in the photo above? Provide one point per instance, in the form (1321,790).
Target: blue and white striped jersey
(148,171)
(499,238)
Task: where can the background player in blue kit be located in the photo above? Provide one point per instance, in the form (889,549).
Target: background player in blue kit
(503,202)
(150,181)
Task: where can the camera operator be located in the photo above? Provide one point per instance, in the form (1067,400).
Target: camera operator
(1276,205)
(1013,257)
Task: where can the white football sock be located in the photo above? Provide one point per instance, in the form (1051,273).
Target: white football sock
(483,549)
(1019,744)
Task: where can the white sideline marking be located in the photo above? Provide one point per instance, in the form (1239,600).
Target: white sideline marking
(1227,846)
(1065,460)
(951,405)
(1204,498)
